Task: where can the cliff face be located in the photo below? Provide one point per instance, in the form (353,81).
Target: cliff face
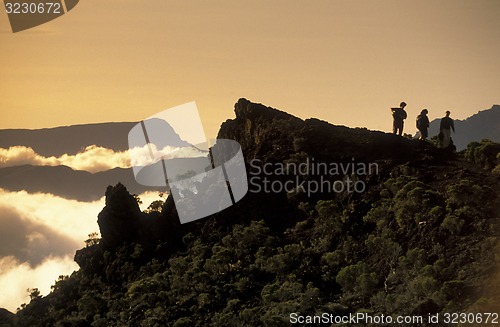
(420,238)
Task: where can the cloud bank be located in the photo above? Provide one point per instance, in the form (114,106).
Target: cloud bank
(94,158)
(16,277)
(30,241)
(38,239)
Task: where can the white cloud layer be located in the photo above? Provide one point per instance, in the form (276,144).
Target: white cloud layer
(39,236)
(16,277)
(94,158)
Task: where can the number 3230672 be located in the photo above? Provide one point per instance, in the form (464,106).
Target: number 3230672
(471,318)
(33,8)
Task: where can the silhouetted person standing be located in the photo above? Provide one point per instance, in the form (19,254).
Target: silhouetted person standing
(423,124)
(445,129)
(399,115)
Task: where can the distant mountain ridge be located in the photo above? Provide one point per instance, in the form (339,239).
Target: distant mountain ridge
(69,139)
(67,183)
(483,125)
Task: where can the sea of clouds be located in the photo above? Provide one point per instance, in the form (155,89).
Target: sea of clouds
(38,239)
(95,158)
(40,232)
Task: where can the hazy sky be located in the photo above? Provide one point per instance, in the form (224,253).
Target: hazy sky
(346,62)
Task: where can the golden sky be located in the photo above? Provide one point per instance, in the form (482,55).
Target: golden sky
(344,61)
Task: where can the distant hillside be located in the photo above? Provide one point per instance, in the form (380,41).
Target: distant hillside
(68,139)
(66,182)
(483,125)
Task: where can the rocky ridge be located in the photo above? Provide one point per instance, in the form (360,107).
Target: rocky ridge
(420,239)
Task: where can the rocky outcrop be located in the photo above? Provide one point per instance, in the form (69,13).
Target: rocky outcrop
(119,220)
(122,225)
(270,135)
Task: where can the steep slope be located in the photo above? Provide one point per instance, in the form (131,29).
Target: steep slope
(6,317)
(419,239)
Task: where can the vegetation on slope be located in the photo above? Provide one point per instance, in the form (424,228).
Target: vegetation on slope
(423,238)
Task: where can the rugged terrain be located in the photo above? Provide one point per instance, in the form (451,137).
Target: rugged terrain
(421,238)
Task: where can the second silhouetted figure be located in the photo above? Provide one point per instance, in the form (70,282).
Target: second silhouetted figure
(423,124)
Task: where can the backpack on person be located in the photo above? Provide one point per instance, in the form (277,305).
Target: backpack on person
(399,114)
(422,121)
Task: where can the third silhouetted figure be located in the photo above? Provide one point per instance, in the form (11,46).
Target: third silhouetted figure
(445,129)
(399,115)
